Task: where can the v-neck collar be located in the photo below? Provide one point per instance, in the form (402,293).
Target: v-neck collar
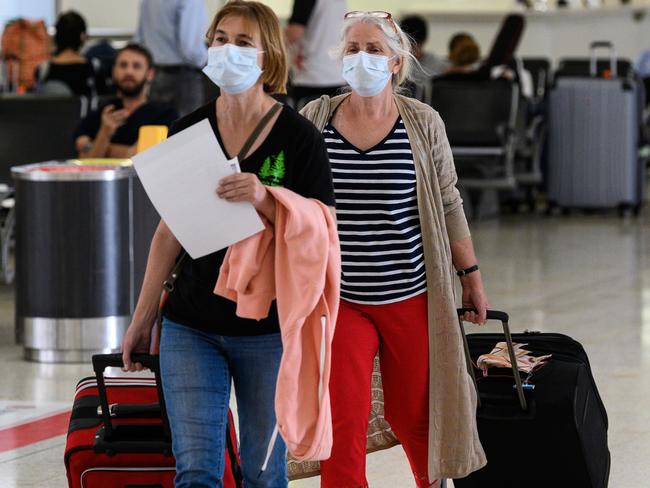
(373,148)
(267,140)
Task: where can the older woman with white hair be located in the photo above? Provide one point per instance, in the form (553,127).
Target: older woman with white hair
(402,230)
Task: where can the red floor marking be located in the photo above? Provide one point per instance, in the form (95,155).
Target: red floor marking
(35,431)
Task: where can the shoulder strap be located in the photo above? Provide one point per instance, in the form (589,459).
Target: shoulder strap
(168,284)
(323,111)
(261,125)
(317,112)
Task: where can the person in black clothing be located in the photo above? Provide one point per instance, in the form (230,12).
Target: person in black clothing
(68,72)
(112,131)
(102,54)
(204,345)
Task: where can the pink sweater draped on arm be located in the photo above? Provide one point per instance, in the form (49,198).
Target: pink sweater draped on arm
(298,263)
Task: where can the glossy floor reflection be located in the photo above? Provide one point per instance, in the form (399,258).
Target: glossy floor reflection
(588,277)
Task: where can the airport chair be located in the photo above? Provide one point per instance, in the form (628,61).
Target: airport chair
(481,120)
(581,67)
(36,128)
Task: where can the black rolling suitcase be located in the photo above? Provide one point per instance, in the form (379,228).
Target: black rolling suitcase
(546,430)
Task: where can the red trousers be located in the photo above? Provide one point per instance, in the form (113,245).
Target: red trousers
(399,331)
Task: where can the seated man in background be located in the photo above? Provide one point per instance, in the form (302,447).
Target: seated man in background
(112,130)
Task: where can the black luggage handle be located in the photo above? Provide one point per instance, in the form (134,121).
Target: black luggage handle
(491,314)
(103,361)
(504,319)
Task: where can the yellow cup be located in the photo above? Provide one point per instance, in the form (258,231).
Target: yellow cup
(150,135)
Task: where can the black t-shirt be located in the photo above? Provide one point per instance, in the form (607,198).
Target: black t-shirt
(293,156)
(146,114)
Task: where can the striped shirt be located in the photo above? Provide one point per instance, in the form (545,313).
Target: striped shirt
(378,219)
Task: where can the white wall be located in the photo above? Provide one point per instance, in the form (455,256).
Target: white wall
(552,34)
(122,14)
(31,9)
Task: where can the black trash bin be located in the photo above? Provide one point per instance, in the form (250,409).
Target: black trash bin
(76,268)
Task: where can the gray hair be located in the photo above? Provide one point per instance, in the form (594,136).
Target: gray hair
(397,40)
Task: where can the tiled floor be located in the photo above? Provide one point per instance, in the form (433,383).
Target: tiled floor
(586,276)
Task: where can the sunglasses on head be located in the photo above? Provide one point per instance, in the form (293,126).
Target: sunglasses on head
(380,14)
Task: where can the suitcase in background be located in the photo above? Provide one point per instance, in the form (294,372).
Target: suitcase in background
(560,437)
(119,435)
(593,141)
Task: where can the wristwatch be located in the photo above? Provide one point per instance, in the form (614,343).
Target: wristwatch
(464,272)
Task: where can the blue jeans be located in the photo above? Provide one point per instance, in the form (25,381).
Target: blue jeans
(197,369)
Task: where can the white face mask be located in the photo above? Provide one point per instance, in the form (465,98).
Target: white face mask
(367,74)
(233,68)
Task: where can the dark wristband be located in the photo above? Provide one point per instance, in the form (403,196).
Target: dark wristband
(465,272)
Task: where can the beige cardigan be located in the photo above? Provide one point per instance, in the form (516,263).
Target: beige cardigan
(454,447)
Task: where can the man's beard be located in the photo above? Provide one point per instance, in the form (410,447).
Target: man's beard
(133,90)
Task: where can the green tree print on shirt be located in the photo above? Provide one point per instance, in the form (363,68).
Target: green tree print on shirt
(273,170)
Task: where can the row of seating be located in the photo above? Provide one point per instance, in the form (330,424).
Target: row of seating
(498,135)
(496,142)
(34,129)
(37,128)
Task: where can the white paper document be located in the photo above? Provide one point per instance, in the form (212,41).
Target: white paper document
(180,176)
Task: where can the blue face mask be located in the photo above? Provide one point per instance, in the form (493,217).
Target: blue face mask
(233,68)
(367,74)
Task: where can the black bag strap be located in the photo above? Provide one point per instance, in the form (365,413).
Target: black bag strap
(168,284)
(259,128)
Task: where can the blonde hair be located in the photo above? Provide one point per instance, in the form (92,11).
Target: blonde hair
(276,66)
(397,40)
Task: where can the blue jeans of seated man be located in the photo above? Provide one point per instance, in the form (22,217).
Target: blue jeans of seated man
(196,369)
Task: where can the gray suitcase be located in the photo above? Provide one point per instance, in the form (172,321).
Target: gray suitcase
(593,142)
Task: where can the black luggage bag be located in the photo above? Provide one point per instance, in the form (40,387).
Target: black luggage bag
(548,430)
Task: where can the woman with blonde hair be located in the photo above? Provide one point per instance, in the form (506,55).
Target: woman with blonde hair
(204,345)
(402,230)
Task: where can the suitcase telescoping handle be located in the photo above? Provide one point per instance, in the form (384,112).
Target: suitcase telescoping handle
(593,60)
(504,319)
(103,361)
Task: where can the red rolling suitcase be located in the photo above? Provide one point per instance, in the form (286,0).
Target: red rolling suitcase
(119,435)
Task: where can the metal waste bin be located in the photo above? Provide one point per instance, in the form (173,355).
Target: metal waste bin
(74,259)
